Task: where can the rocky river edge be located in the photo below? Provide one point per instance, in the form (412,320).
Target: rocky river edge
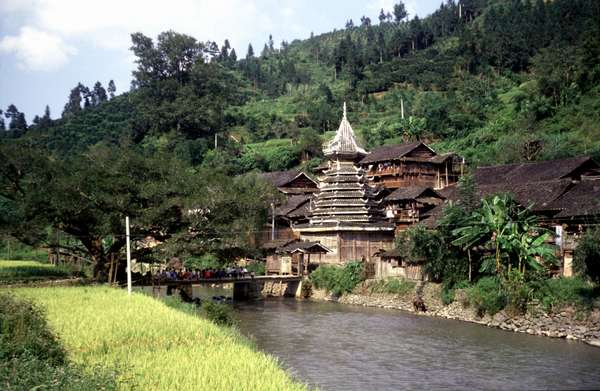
(568,323)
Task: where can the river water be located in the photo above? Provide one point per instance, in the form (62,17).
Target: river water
(340,347)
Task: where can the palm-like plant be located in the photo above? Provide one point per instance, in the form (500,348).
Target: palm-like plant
(510,230)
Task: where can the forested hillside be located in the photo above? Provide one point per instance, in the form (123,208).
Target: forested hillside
(495,81)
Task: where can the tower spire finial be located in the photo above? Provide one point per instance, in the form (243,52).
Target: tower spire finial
(344,116)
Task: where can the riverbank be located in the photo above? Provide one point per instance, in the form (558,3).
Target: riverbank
(567,323)
(151,345)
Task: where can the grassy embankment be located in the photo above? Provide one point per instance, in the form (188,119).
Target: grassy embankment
(149,343)
(154,346)
(30,271)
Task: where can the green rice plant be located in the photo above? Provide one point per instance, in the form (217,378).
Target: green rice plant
(157,347)
(27,271)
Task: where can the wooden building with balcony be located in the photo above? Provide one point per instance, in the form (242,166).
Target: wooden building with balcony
(411,165)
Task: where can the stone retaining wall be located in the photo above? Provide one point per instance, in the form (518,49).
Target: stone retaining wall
(567,323)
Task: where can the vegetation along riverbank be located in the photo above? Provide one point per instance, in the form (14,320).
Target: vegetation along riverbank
(142,343)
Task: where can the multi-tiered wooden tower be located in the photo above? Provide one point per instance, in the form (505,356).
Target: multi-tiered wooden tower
(346,215)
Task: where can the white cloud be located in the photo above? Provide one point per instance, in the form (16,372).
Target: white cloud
(54,27)
(37,50)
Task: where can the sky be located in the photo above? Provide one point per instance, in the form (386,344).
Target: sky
(48,46)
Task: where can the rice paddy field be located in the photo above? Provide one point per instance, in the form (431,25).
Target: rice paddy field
(154,346)
(30,271)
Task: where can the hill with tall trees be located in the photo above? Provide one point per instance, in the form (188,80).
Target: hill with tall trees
(496,81)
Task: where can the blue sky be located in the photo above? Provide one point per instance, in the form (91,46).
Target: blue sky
(48,46)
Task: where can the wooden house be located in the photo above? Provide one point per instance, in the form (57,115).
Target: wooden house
(347,215)
(293,257)
(406,206)
(410,165)
(563,193)
(297,188)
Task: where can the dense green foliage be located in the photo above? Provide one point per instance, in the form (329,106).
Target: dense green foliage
(338,279)
(487,296)
(31,356)
(258,268)
(587,255)
(101,327)
(219,313)
(501,81)
(397,286)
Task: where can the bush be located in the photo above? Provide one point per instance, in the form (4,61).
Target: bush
(399,286)
(24,332)
(218,313)
(487,296)
(206,261)
(553,293)
(338,280)
(517,291)
(31,356)
(258,268)
(587,255)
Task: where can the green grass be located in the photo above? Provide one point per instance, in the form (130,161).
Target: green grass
(162,348)
(30,271)
(398,286)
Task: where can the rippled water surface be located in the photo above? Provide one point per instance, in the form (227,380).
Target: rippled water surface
(337,347)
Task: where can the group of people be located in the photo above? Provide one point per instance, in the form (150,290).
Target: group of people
(204,274)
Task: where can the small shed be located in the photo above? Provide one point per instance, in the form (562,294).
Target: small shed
(393,264)
(293,257)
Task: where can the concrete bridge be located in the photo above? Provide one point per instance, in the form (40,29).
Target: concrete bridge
(246,288)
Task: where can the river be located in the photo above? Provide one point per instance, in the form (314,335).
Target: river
(340,347)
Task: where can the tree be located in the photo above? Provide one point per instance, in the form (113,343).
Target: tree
(98,94)
(587,255)
(111,89)
(510,230)
(2,125)
(46,121)
(73,105)
(400,12)
(87,196)
(17,119)
(349,24)
(249,52)
(224,56)
(382,17)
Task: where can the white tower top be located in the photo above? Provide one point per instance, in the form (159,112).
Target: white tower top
(344,142)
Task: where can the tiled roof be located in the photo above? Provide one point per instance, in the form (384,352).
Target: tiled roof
(282,178)
(582,200)
(532,172)
(389,152)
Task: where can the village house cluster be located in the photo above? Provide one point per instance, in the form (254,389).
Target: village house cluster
(359,201)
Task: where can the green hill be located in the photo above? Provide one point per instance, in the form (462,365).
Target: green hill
(496,81)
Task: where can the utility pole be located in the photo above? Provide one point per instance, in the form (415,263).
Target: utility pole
(402,107)
(272,221)
(128,255)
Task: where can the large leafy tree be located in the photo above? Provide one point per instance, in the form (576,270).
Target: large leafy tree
(87,196)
